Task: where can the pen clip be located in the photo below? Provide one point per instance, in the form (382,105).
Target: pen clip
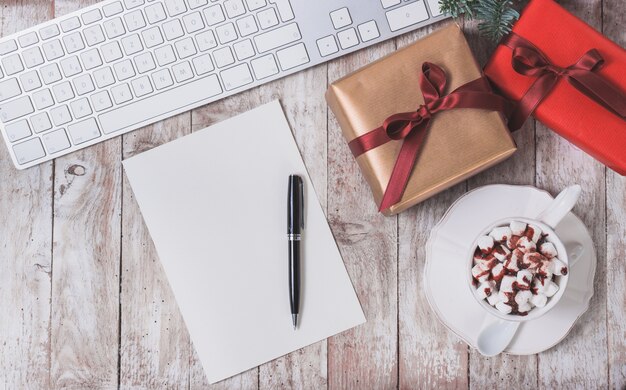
(301,203)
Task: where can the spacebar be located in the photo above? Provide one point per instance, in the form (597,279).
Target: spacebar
(144,111)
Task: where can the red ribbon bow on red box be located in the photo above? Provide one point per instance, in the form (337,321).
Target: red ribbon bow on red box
(528,60)
(411,127)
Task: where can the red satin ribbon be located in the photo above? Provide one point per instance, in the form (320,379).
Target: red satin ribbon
(530,61)
(411,126)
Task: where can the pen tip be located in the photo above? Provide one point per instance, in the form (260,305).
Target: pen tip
(295,320)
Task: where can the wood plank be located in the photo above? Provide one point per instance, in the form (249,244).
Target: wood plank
(613,26)
(26,250)
(581,359)
(85,285)
(154,342)
(430,356)
(365,356)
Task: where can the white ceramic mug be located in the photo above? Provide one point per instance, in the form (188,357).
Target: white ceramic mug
(494,335)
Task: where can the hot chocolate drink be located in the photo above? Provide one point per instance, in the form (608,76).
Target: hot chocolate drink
(515,268)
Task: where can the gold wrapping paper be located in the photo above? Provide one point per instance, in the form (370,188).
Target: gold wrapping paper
(460,142)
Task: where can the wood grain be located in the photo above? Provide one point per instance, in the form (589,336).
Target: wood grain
(25,247)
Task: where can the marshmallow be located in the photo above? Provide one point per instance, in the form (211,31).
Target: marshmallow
(512,242)
(502,233)
(518,228)
(523,297)
(533,260)
(479,273)
(501,252)
(503,307)
(497,272)
(558,267)
(485,243)
(485,289)
(534,233)
(507,283)
(551,288)
(545,270)
(494,298)
(548,250)
(541,286)
(524,307)
(539,300)
(526,245)
(524,279)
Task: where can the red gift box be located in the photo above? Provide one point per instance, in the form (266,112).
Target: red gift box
(565,41)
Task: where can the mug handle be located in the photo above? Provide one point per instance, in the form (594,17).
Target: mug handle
(560,206)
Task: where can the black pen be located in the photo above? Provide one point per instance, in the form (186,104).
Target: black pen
(295,224)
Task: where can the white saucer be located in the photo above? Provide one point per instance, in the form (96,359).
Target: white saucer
(445,279)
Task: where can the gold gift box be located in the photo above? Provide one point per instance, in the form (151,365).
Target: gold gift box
(460,142)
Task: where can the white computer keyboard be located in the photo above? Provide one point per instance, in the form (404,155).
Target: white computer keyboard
(122,64)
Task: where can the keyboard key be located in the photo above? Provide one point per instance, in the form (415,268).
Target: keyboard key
(253,5)
(49,32)
(91,16)
(112,9)
(32,57)
(234,8)
(368,31)
(165,55)
(121,93)
(17,130)
(94,35)
(407,15)
(206,40)
(182,72)
(73,42)
(30,81)
(214,14)
(55,141)
(193,4)
(28,39)
(236,76)
(28,151)
(293,56)
(80,108)
(50,74)
(163,104)
(142,86)
(144,62)
(43,99)
(91,59)
(132,44)
(173,29)
(12,64)
(162,79)
(185,48)
(130,4)
(83,84)
(103,77)
(40,122)
(63,91)
(327,45)
(264,66)
(284,9)
(226,33)
(53,50)
(247,25)
(152,37)
(7,47)
(101,101)
(267,18)
(348,38)
(243,49)
(223,57)
(175,7)
(114,28)
(276,38)
(203,64)
(390,3)
(83,131)
(193,22)
(60,115)
(16,109)
(111,51)
(9,89)
(134,20)
(124,70)
(71,66)
(434,7)
(155,13)
(341,18)
(70,24)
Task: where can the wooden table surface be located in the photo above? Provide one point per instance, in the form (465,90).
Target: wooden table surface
(84,302)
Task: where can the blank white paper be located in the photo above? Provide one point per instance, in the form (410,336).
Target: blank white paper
(215,203)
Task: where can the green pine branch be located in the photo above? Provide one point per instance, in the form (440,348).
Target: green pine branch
(496,17)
